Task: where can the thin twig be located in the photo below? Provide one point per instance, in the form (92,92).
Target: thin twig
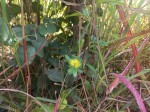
(26,69)
(5,70)
(89,106)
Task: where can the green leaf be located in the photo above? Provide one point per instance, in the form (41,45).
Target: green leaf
(67,57)
(47,108)
(88,86)
(99,11)
(70,71)
(80,71)
(51,107)
(20,53)
(47,28)
(30,29)
(4,30)
(103,43)
(14,10)
(37,44)
(91,67)
(75,73)
(90,73)
(100,90)
(17,31)
(63,104)
(76,57)
(54,61)
(74,14)
(36,6)
(85,12)
(37,109)
(66,110)
(31,51)
(45,100)
(55,75)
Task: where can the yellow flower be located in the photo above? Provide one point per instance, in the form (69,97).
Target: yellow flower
(75,63)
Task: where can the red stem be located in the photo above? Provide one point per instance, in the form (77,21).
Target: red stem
(25,59)
(125,71)
(129,34)
(57,104)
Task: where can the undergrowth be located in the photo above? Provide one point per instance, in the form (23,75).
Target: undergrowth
(74,56)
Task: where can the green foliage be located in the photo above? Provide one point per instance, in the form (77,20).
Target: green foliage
(47,28)
(49,108)
(85,12)
(74,65)
(55,75)
(4,31)
(81,50)
(14,10)
(36,6)
(20,53)
(91,67)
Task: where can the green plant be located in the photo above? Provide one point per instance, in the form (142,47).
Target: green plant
(75,64)
(58,55)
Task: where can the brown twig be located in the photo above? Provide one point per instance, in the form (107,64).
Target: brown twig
(79,105)
(84,90)
(26,68)
(4,71)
